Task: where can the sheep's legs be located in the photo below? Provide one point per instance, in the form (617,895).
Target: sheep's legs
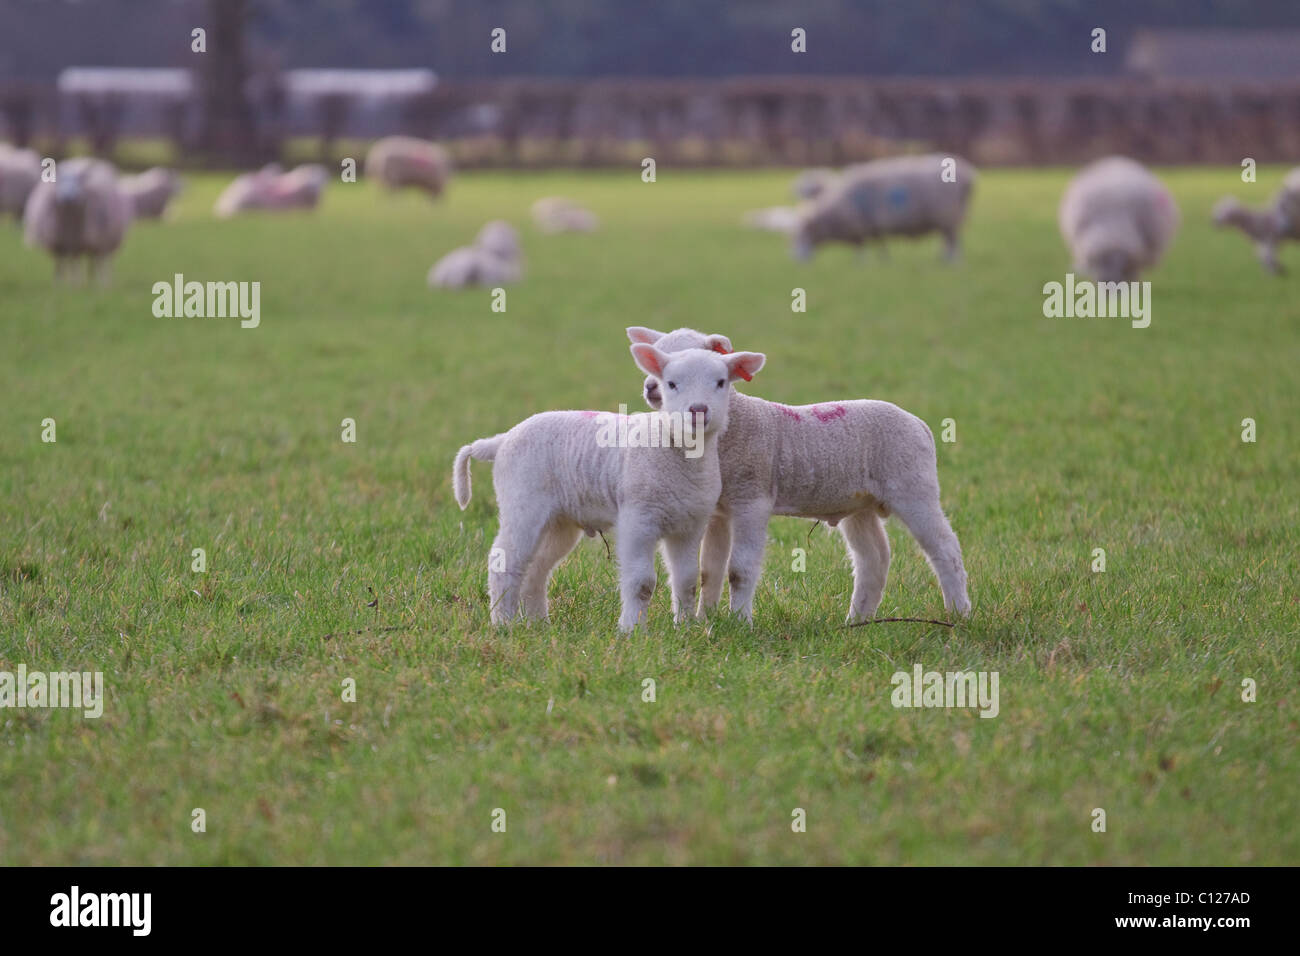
(713,562)
(1267,253)
(512,553)
(557,541)
(925,519)
(636,572)
(748,539)
(864,533)
(682,555)
(102,270)
(951,247)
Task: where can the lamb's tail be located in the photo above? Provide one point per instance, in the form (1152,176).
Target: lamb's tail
(485,449)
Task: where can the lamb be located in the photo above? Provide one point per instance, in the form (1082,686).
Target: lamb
(555,214)
(1269,226)
(1117,219)
(270,188)
(150,191)
(848,463)
(558,474)
(20,171)
(901,196)
(493,260)
(82,213)
(401,161)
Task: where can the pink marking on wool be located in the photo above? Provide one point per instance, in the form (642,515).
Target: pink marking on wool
(588,414)
(837,411)
(789,411)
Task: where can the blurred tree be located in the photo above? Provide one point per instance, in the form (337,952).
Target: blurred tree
(228,132)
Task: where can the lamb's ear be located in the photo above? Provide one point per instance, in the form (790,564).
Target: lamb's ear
(649,359)
(745,364)
(718,343)
(639,333)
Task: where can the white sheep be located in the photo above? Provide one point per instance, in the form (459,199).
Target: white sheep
(555,214)
(848,463)
(401,161)
(82,213)
(901,196)
(1117,219)
(20,171)
(1270,226)
(494,259)
(558,474)
(150,191)
(271,188)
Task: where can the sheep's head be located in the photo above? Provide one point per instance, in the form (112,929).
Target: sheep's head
(674,341)
(1226,211)
(499,239)
(695,383)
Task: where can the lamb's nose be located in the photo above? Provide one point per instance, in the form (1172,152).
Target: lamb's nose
(700,411)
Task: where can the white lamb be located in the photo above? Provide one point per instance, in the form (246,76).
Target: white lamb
(151,191)
(850,463)
(555,214)
(1117,219)
(558,474)
(1269,227)
(401,161)
(494,259)
(82,213)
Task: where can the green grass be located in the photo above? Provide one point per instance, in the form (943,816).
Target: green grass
(1119,690)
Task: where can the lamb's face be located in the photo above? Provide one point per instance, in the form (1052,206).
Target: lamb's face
(676,341)
(1112,265)
(694,383)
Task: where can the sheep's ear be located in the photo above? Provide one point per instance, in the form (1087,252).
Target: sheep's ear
(649,359)
(745,364)
(639,333)
(718,343)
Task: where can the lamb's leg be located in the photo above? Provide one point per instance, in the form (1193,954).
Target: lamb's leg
(1267,253)
(512,552)
(557,541)
(925,519)
(682,555)
(864,533)
(636,570)
(102,269)
(951,246)
(748,540)
(713,562)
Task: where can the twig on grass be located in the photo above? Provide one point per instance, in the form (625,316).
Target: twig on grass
(893,620)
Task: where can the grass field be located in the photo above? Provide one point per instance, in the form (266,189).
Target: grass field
(1119,690)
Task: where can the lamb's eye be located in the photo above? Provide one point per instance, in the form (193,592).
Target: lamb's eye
(721,382)
(673,386)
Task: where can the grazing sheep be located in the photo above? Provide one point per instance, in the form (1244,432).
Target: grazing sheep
(1269,226)
(557,214)
(1117,219)
(270,188)
(494,259)
(20,171)
(150,191)
(850,463)
(81,213)
(400,161)
(902,196)
(558,474)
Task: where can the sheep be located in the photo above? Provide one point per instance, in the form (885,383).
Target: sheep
(271,188)
(555,214)
(848,463)
(1117,219)
(493,260)
(400,161)
(20,171)
(150,191)
(902,196)
(81,213)
(558,474)
(1269,226)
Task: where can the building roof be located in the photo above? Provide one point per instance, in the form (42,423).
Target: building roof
(1230,54)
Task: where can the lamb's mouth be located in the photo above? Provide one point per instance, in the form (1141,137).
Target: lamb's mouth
(652,396)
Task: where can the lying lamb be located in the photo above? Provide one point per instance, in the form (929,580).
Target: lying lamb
(20,171)
(494,259)
(150,191)
(901,196)
(1117,219)
(555,214)
(269,188)
(850,463)
(401,161)
(557,474)
(1269,226)
(81,213)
